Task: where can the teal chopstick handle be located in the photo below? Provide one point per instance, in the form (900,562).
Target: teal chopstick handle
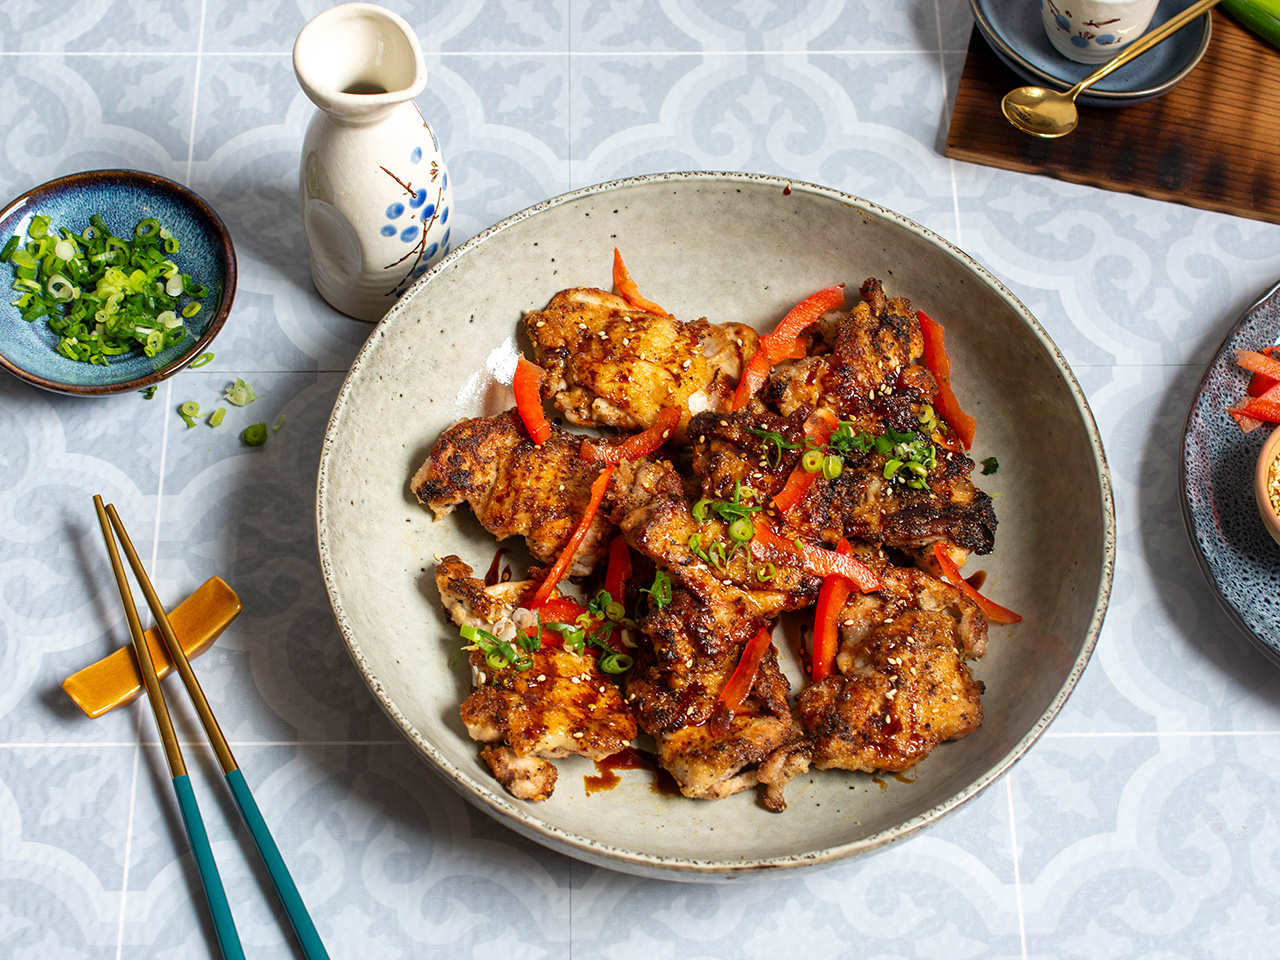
(280,876)
(223,924)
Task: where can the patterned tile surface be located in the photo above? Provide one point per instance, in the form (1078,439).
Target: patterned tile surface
(1143,824)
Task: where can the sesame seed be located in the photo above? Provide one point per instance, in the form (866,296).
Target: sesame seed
(541,677)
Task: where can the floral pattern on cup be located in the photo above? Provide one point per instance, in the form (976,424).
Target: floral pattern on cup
(1094,31)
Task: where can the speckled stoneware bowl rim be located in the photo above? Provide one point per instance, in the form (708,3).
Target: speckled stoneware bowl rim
(523,817)
(1214,554)
(1094,96)
(186,197)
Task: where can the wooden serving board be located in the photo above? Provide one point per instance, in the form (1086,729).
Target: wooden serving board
(1211,142)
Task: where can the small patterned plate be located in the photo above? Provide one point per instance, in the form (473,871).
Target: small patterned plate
(1015,31)
(1240,559)
(123,198)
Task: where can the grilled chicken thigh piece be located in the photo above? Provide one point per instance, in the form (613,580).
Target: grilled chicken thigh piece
(855,359)
(691,652)
(562,705)
(903,685)
(861,503)
(515,487)
(612,365)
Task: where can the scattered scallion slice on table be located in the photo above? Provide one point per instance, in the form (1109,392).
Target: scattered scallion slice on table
(240,393)
(103,295)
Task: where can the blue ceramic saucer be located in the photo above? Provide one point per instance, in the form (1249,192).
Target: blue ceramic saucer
(1015,31)
(123,198)
(1237,555)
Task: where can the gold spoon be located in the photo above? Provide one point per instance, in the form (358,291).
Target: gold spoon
(1050,113)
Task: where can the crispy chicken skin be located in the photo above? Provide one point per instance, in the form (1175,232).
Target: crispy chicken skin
(692,650)
(564,704)
(662,530)
(515,487)
(856,357)
(526,778)
(861,504)
(612,365)
(903,685)
(871,380)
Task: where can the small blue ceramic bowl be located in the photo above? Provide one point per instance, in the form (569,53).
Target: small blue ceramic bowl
(122,198)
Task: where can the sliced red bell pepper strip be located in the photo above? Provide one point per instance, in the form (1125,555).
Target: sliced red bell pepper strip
(818,428)
(768,544)
(826,619)
(1259,363)
(628,290)
(527,385)
(951,573)
(637,445)
(618,570)
(1260,383)
(744,675)
(939,364)
(561,566)
(781,343)
(1265,408)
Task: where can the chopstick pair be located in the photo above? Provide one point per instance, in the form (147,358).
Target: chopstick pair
(224,924)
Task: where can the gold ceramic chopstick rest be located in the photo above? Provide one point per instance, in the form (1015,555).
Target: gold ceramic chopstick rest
(114,680)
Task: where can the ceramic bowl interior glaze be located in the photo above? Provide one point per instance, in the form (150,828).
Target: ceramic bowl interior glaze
(123,198)
(727,247)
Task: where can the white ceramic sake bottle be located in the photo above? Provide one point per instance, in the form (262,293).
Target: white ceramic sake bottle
(376,197)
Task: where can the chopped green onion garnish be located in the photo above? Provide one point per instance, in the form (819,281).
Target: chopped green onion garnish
(150,392)
(832,466)
(189,408)
(215,418)
(255,435)
(103,296)
(278,424)
(990,465)
(616,663)
(201,360)
(660,592)
(741,530)
(240,393)
(812,460)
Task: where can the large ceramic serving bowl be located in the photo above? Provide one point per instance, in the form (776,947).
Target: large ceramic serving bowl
(728,247)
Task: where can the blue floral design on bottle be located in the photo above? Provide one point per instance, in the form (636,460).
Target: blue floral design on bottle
(419,204)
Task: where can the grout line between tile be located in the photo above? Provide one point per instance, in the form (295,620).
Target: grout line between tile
(128,836)
(946,125)
(1017,873)
(195,91)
